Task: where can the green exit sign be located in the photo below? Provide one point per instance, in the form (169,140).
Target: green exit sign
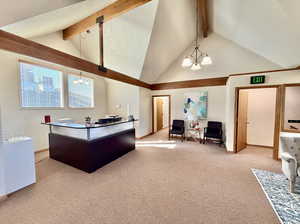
(258,79)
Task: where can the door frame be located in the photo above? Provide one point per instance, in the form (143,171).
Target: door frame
(237,122)
(278,109)
(169,98)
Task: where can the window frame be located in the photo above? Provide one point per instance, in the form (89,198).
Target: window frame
(42,65)
(68,95)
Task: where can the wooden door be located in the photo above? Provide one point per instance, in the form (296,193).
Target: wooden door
(159,113)
(242,120)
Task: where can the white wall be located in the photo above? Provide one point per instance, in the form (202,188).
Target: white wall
(240,81)
(292,106)
(119,95)
(145,123)
(139,100)
(216,102)
(165,112)
(261,116)
(17,121)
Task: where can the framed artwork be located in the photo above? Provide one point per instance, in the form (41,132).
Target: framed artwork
(195,105)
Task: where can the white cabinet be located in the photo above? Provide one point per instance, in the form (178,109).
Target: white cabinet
(17,165)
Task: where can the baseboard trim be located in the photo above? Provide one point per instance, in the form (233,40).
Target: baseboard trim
(261,146)
(139,138)
(41,150)
(230,152)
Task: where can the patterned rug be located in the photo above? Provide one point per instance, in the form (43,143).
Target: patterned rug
(276,188)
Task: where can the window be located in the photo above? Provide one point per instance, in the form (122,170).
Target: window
(81,92)
(41,87)
(291,104)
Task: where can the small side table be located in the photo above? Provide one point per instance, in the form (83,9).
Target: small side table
(195,133)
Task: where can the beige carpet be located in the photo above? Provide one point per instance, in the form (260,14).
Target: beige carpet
(161,182)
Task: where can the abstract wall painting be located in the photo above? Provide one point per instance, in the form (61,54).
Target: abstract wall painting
(195,105)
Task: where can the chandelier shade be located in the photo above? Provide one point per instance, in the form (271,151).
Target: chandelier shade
(195,67)
(206,60)
(187,62)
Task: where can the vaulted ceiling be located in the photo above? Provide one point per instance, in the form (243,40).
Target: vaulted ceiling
(55,20)
(126,40)
(146,42)
(15,10)
(269,28)
(173,32)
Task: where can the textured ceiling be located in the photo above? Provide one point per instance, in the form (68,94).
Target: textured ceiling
(270,28)
(16,10)
(173,32)
(56,20)
(126,40)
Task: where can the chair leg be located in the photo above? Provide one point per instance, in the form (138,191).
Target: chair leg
(292,185)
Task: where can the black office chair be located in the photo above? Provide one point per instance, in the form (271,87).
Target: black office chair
(177,129)
(214,131)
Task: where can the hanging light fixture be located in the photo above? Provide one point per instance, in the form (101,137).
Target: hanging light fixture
(80,80)
(187,62)
(197,57)
(206,60)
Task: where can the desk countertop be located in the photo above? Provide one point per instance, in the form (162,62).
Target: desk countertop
(84,126)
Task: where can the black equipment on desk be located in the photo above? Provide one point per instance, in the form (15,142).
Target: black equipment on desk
(108,120)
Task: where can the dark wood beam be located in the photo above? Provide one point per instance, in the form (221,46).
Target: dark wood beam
(190,83)
(19,45)
(267,71)
(117,8)
(204,16)
(100,21)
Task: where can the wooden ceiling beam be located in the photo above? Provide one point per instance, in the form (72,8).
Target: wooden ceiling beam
(117,8)
(204,16)
(266,71)
(190,83)
(19,45)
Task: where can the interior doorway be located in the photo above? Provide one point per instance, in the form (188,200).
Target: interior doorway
(257,120)
(161,112)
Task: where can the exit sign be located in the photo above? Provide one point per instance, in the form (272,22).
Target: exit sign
(258,79)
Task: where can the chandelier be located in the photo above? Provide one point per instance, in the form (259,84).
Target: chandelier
(80,80)
(197,57)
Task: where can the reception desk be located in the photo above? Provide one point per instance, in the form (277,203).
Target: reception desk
(89,147)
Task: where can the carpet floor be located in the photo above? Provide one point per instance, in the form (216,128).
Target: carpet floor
(167,182)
